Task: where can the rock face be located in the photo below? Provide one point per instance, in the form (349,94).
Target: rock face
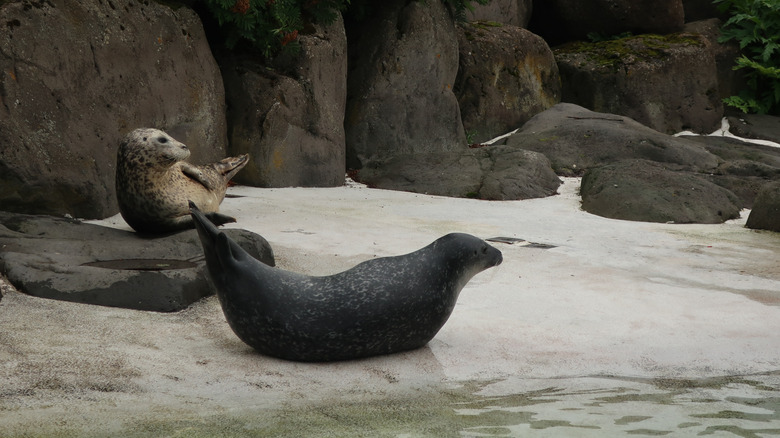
(290,117)
(511,12)
(574,139)
(668,83)
(565,20)
(492,172)
(403,63)
(642,190)
(506,76)
(68,260)
(77,76)
(766,210)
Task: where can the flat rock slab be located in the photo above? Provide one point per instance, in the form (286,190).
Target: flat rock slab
(65,259)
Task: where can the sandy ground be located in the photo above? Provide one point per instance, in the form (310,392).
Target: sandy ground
(616,328)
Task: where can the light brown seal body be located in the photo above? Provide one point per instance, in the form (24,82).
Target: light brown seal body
(154,184)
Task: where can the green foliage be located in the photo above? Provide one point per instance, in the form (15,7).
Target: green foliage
(755,25)
(274,25)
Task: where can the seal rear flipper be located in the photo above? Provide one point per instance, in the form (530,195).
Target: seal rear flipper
(230,166)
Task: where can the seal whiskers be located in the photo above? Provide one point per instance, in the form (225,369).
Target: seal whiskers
(381,306)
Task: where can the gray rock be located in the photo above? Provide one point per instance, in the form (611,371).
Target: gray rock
(641,190)
(403,63)
(506,76)
(766,209)
(566,20)
(756,126)
(289,115)
(67,260)
(490,172)
(77,76)
(746,167)
(511,12)
(574,139)
(668,83)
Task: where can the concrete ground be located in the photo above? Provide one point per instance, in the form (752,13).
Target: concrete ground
(607,328)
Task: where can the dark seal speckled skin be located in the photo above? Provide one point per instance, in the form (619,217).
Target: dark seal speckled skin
(154,184)
(381,306)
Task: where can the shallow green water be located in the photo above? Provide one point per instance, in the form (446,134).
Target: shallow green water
(579,407)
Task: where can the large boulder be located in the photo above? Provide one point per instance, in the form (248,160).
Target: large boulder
(403,62)
(289,114)
(766,210)
(641,190)
(566,20)
(511,12)
(68,260)
(575,139)
(77,76)
(668,83)
(506,76)
(492,172)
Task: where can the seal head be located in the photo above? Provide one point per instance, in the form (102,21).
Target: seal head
(154,183)
(381,306)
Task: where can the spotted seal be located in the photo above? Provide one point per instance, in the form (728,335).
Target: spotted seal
(381,306)
(154,183)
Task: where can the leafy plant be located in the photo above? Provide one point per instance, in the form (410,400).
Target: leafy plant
(755,25)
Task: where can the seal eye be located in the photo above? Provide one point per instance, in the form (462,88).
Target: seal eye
(162,140)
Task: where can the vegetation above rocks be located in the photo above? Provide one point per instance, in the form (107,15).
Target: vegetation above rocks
(274,25)
(755,25)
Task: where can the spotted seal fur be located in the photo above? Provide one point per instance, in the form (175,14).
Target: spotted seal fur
(154,184)
(381,306)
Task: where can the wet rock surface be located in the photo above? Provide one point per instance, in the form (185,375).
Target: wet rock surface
(68,260)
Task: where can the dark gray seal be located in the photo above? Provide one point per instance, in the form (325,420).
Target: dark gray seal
(381,306)
(154,183)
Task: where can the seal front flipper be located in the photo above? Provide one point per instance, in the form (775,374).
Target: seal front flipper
(195,173)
